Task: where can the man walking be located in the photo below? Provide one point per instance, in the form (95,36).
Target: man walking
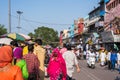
(70,60)
(40,52)
(113,59)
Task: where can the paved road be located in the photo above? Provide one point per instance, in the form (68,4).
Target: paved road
(99,73)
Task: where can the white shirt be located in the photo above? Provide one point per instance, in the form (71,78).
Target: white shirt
(91,56)
(87,54)
(108,55)
(97,54)
(102,56)
(77,53)
(118,56)
(70,60)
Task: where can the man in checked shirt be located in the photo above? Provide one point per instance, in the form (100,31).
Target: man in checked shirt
(32,64)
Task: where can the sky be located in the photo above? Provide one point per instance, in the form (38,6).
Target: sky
(56,14)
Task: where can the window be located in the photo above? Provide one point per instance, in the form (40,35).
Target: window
(112,5)
(109,6)
(116,2)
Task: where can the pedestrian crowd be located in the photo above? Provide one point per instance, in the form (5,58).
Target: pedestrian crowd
(109,58)
(32,61)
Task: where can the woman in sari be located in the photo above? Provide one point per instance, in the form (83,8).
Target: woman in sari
(57,67)
(7,70)
(17,56)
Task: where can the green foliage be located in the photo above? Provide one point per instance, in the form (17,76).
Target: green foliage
(48,35)
(31,35)
(2,30)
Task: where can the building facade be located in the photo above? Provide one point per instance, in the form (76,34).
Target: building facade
(112,10)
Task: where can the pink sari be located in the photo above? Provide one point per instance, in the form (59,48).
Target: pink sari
(56,66)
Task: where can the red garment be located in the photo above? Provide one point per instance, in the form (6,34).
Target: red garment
(56,66)
(32,62)
(80,28)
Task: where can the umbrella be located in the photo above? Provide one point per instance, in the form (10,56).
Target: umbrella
(25,36)
(15,36)
(5,41)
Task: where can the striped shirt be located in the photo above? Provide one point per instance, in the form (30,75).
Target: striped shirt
(32,62)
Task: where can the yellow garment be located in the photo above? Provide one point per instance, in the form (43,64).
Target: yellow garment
(25,50)
(40,52)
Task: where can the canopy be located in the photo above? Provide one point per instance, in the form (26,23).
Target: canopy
(17,36)
(5,41)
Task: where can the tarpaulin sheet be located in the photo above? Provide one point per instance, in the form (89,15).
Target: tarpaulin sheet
(107,37)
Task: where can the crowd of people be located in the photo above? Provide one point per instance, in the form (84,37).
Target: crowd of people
(27,62)
(109,58)
(32,61)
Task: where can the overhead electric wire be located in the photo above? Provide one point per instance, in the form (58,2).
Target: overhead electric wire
(41,22)
(30,24)
(25,30)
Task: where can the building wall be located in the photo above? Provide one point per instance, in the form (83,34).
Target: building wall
(112,10)
(86,22)
(71,31)
(75,26)
(65,34)
(95,13)
(94,17)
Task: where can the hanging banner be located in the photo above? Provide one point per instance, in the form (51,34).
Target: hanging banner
(80,25)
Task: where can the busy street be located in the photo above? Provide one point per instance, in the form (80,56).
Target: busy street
(99,73)
(60,40)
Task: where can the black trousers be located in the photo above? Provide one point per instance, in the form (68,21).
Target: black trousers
(109,65)
(69,78)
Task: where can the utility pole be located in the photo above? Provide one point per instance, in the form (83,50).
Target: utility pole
(9,16)
(19,14)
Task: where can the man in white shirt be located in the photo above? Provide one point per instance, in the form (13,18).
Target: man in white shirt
(108,59)
(70,60)
(102,57)
(118,61)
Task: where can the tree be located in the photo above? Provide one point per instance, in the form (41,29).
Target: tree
(2,30)
(31,35)
(48,35)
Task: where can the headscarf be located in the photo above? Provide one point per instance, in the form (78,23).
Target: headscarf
(56,66)
(56,52)
(5,55)
(17,53)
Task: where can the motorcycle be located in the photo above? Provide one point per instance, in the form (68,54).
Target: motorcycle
(91,61)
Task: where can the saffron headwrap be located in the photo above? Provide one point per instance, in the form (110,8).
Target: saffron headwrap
(5,55)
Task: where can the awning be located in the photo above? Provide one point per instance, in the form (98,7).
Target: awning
(107,37)
(96,35)
(93,21)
